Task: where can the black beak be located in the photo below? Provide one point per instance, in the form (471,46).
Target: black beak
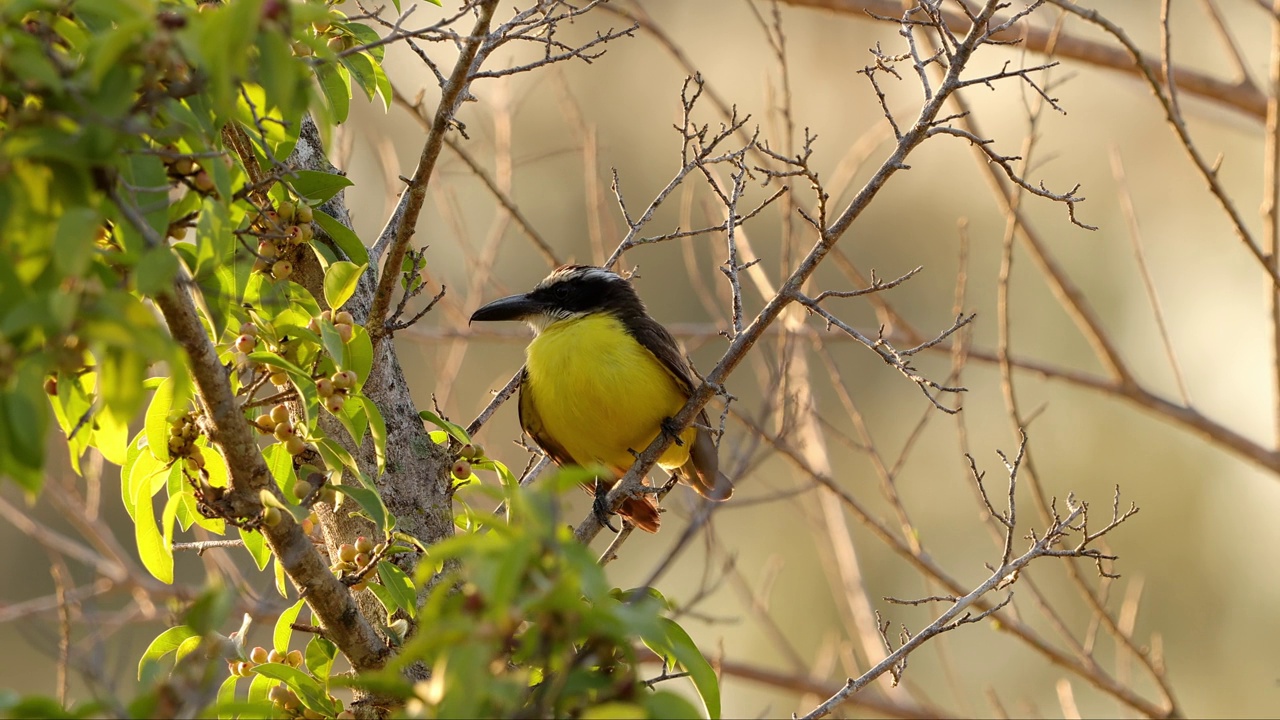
(516,307)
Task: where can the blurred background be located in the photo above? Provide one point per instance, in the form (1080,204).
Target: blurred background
(762,587)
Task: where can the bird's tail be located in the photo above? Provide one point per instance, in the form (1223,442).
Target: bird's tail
(702,470)
(642,511)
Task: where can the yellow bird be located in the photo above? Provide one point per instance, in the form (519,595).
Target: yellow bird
(601,378)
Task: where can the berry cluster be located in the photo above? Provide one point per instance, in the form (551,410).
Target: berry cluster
(462,466)
(282,230)
(354,557)
(182,442)
(278,424)
(342,322)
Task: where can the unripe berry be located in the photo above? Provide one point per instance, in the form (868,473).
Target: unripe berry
(461,469)
(279,378)
(275,656)
(183,166)
(287,210)
(364,544)
(280,413)
(329,495)
(337,43)
(268,249)
(294,658)
(249,329)
(335,403)
(302,489)
(259,655)
(300,48)
(344,332)
(277,694)
(271,516)
(343,318)
(246,343)
(261,266)
(362,559)
(265,424)
(314,326)
(295,445)
(467,451)
(281,269)
(340,380)
(203,182)
(176,444)
(327,315)
(347,552)
(324,387)
(305,214)
(283,431)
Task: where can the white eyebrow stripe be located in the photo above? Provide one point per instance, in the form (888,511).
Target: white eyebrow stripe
(586,272)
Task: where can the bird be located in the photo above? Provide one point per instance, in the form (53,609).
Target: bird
(601,379)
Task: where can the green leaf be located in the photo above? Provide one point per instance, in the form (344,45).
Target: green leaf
(317,186)
(257,547)
(618,710)
(666,704)
(155,271)
(308,690)
(336,88)
(378,427)
(156,556)
(157,420)
(370,502)
(399,585)
(165,643)
(73,240)
(226,696)
(345,238)
(319,656)
(677,648)
(340,282)
(283,632)
(386,597)
(457,431)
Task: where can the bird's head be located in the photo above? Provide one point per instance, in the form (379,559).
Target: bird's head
(571,291)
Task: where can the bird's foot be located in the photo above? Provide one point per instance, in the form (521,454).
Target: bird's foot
(668,426)
(600,505)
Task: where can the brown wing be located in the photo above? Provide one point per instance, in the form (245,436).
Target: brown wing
(702,472)
(642,511)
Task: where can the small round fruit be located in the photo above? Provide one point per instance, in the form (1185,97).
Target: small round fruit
(268,249)
(305,214)
(337,43)
(295,445)
(203,182)
(461,469)
(249,329)
(280,413)
(314,326)
(329,495)
(340,380)
(364,544)
(275,656)
(261,266)
(335,403)
(347,552)
(265,424)
(327,315)
(259,655)
(280,378)
(324,387)
(467,451)
(246,343)
(176,444)
(294,658)
(281,269)
(302,489)
(271,516)
(479,450)
(344,332)
(361,560)
(287,210)
(277,694)
(359,586)
(343,318)
(284,431)
(183,166)
(300,48)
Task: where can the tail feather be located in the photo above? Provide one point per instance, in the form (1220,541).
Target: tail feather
(702,471)
(642,511)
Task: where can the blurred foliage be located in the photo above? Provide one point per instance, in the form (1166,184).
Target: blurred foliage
(140,155)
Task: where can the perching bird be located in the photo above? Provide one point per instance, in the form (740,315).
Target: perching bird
(601,378)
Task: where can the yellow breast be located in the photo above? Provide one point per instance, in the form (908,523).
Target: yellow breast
(600,394)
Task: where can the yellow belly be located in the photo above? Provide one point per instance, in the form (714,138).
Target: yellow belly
(600,394)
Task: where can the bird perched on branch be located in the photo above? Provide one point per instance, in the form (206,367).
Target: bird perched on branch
(601,380)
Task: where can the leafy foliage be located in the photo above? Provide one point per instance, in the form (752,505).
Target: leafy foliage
(141,155)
